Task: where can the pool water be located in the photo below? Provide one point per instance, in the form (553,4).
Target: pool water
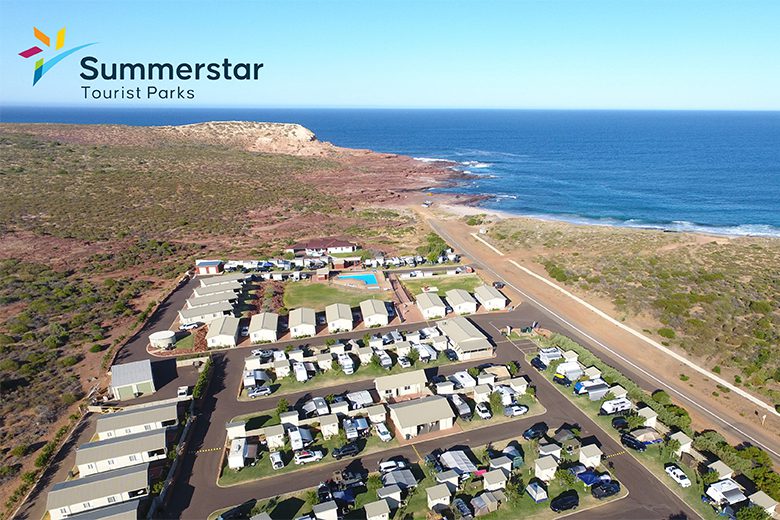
(367,278)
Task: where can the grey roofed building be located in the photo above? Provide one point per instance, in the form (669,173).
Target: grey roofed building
(403,478)
(122,511)
(227,326)
(324,507)
(302,316)
(209,299)
(488,293)
(415,377)
(136,416)
(260,516)
(121,446)
(373,307)
(131,373)
(425,410)
(224,278)
(458,297)
(263,321)
(214,308)
(378,508)
(429,300)
(64,494)
(457,460)
(233,287)
(338,311)
(464,335)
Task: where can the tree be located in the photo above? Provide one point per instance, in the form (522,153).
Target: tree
(281,406)
(473,372)
(635,421)
(496,406)
(366,339)
(413,356)
(709,477)
(514,489)
(512,368)
(669,448)
(661,397)
(752,512)
(375,361)
(374,481)
(565,478)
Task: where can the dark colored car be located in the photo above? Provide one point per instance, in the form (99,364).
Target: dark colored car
(561,380)
(438,378)
(499,285)
(632,442)
(537,431)
(451,355)
(432,460)
(461,510)
(565,501)
(348,450)
(538,365)
(620,423)
(605,489)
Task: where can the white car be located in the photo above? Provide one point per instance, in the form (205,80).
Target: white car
(391,465)
(244,332)
(515,410)
(259,391)
(307,456)
(483,411)
(383,432)
(277,462)
(404,362)
(189,326)
(678,476)
(183,391)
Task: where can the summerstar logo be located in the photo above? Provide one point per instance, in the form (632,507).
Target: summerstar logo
(43,66)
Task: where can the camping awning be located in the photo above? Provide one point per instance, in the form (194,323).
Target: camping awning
(403,478)
(457,460)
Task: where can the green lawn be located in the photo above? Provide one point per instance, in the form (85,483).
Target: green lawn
(263,468)
(444,283)
(534,408)
(652,458)
(320,295)
(296,504)
(185,343)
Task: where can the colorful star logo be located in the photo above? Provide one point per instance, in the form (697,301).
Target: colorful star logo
(42,66)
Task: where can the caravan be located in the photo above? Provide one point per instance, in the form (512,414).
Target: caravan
(616,406)
(300,438)
(301,375)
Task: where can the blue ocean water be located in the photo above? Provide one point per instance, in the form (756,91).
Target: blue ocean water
(717,172)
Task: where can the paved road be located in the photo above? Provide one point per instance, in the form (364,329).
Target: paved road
(650,499)
(642,373)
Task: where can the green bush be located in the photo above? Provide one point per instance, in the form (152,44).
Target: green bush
(203,378)
(96,348)
(666,332)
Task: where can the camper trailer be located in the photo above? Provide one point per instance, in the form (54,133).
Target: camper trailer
(300,438)
(346,363)
(300,372)
(615,406)
(360,399)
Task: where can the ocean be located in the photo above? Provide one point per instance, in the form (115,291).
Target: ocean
(715,172)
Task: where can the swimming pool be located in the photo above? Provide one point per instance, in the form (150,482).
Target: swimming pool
(367,278)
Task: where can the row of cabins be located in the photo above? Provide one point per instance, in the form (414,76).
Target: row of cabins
(113,470)
(460,301)
(215,298)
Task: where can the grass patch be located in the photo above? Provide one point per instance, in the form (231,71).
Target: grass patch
(185,343)
(320,295)
(444,283)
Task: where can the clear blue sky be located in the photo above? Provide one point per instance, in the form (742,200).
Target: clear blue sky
(665,54)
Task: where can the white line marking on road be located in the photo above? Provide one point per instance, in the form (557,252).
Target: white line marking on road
(649,341)
(563,320)
(487,244)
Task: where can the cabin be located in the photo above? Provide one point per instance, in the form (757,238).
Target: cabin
(137,420)
(419,416)
(223,332)
(303,323)
(339,318)
(206,267)
(490,298)
(132,380)
(398,385)
(263,327)
(465,339)
(461,301)
(431,306)
(121,452)
(374,313)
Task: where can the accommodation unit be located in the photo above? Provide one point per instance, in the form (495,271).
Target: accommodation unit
(545,467)
(303,323)
(224,288)
(570,356)
(450,478)
(274,436)
(263,327)
(130,510)
(209,299)
(329,425)
(764,501)
(326,511)
(467,341)
(397,385)
(494,480)
(225,279)
(617,391)
(503,463)
(487,502)
(324,361)
(481,393)
(205,267)
(725,492)
(241,451)
(321,247)
(137,420)
(650,415)
(590,456)
(223,332)
(376,413)
(461,301)
(438,496)
(551,449)
(721,469)
(592,372)
(686,443)
(281,368)
(378,510)
(205,314)
(490,298)
(132,379)
(518,384)
(392,494)
(548,355)
(68,498)
(420,416)
(339,317)
(235,430)
(120,452)
(431,305)
(374,313)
